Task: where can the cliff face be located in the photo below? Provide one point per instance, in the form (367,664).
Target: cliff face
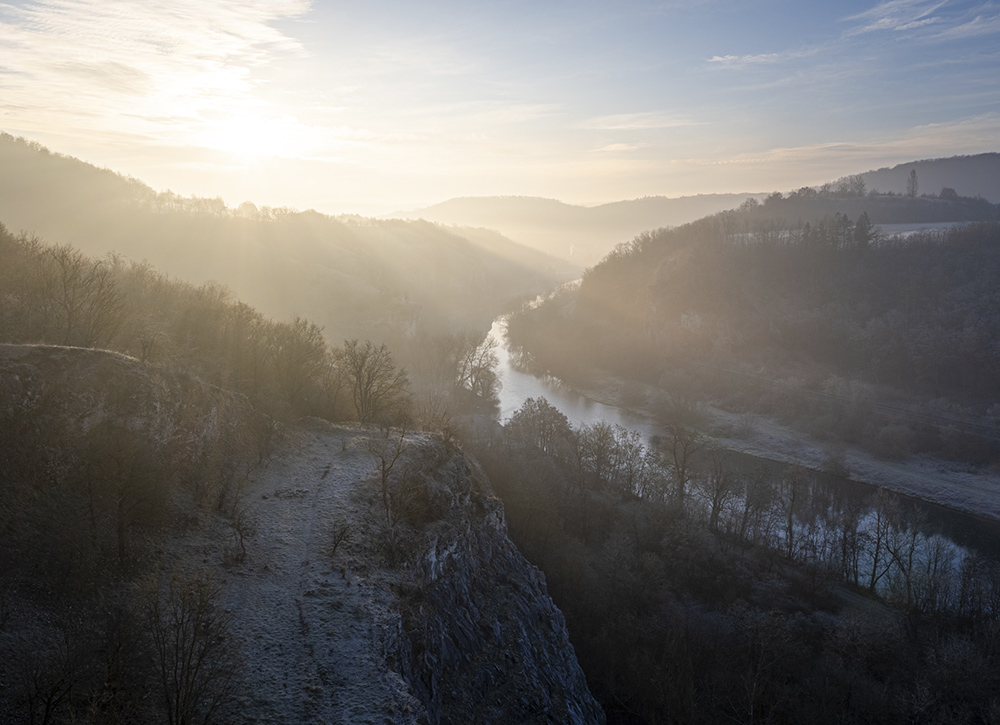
(483,641)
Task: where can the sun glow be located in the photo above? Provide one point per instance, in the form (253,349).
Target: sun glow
(254,137)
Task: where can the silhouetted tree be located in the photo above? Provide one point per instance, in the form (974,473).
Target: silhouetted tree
(378,388)
(682,444)
(194,655)
(539,424)
(477,370)
(864,231)
(77,298)
(298,354)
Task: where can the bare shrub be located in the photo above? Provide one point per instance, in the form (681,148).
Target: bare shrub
(387,449)
(893,441)
(243,525)
(746,424)
(835,462)
(338,534)
(195,658)
(266,438)
(46,676)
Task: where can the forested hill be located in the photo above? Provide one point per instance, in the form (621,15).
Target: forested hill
(851,197)
(813,304)
(977,175)
(356,277)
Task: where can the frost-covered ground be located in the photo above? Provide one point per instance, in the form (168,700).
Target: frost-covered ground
(957,485)
(310,626)
(960,486)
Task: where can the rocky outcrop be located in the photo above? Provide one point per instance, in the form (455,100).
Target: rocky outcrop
(460,623)
(482,640)
(51,396)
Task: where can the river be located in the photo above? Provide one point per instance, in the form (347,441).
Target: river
(964,529)
(579,410)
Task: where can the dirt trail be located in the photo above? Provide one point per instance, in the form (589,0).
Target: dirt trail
(310,630)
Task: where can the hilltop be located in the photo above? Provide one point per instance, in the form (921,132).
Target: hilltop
(977,175)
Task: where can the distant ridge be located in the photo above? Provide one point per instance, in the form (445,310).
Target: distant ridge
(977,175)
(581,234)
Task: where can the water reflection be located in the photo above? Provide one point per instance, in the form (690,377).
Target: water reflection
(962,529)
(519,385)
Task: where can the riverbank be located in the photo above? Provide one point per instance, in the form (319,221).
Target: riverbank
(961,486)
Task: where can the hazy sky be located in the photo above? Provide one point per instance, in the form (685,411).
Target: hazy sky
(372,105)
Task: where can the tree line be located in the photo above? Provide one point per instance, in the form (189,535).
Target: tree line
(57,295)
(700,589)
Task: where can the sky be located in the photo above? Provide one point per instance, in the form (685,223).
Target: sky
(372,106)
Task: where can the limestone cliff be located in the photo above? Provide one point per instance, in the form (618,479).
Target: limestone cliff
(483,641)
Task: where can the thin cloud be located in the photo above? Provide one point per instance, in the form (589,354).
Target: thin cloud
(111,75)
(923,19)
(635,122)
(733,60)
(896,15)
(741,61)
(67,58)
(620,147)
(979,25)
(968,135)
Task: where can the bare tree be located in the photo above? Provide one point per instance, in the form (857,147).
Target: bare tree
(194,656)
(682,445)
(597,453)
(78,299)
(47,675)
(378,387)
(122,477)
(718,488)
(904,544)
(877,535)
(387,449)
(753,523)
(334,379)
(476,370)
(911,184)
(631,461)
(792,501)
(849,540)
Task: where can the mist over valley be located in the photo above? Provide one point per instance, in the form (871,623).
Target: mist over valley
(499,363)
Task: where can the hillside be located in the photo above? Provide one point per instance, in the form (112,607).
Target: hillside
(578,234)
(321,606)
(853,336)
(977,175)
(355,277)
(583,235)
